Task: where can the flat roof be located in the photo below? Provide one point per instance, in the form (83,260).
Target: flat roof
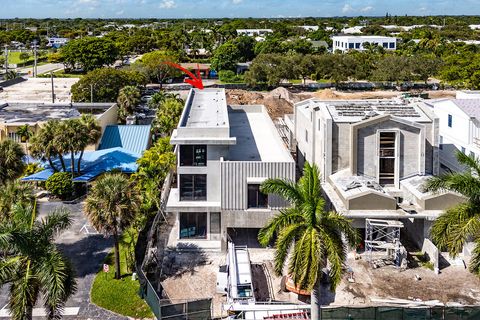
(39,90)
(359,110)
(364,37)
(20,113)
(257,137)
(206,108)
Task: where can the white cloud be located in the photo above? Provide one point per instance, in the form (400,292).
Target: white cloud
(366,9)
(236,1)
(347,8)
(168,4)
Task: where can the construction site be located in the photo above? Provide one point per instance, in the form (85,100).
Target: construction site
(388,270)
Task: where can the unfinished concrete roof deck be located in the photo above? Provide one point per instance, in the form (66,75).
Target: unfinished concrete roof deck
(206,108)
(359,110)
(257,138)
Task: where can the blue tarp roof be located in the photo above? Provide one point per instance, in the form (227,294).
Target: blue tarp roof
(93,164)
(130,137)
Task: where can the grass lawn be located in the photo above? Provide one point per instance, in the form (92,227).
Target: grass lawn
(14,58)
(295,81)
(120,296)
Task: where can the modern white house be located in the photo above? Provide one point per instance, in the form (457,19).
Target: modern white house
(254,32)
(345,43)
(224,153)
(375,156)
(459,128)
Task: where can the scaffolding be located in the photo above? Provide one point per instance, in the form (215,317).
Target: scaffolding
(382,242)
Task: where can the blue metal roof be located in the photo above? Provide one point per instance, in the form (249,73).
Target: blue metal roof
(95,163)
(130,137)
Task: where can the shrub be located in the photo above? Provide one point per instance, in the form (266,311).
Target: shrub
(60,185)
(31,168)
(229,76)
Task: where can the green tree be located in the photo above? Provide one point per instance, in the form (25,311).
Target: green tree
(128,99)
(460,223)
(110,207)
(226,57)
(60,185)
(105,84)
(154,67)
(167,117)
(43,144)
(32,265)
(25,133)
(153,167)
(90,133)
(89,53)
(11,162)
(306,235)
(24,56)
(14,193)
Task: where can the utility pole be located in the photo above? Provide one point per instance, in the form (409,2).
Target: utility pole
(53,88)
(6,59)
(35,58)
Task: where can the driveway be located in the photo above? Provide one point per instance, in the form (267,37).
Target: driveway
(87,251)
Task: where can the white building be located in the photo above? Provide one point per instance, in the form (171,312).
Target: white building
(353,30)
(374,156)
(345,43)
(459,129)
(254,32)
(224,153)
(57,42)
(309,28)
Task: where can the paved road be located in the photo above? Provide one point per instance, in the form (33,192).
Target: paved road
(42,69)
(87,250)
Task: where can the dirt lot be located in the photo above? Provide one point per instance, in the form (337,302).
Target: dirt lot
(280,101)
(193,275)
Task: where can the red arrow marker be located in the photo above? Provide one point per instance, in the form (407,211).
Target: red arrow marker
(195,81)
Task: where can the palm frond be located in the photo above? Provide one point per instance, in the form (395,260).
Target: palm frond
(286,189)
(275,224)
(56,222)
(452,229)
(463,183)
(286,238)
(470,162)
(57,281)
(474,265)
(336,253)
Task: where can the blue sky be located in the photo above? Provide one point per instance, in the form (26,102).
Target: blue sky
(230,8)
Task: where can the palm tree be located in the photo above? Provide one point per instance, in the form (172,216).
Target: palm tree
(90,135)
(25,134)
(33,265)
(460,223)
(307,236)
(43,144)
(111,207)
(128,99)
(11,162)
(14,193)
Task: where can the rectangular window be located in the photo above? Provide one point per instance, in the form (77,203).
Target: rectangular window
(306,135)
(450,120)
(357,45)
(387,158)
(472,154)
(256,199)
(193,187)
(193,225)
(350,45)
(193,156)
(392,45)
(463,150)
(441,143)
(385,44)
